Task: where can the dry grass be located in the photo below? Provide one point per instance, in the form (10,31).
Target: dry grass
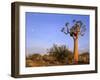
(58,55)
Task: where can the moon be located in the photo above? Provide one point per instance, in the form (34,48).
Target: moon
(32,30)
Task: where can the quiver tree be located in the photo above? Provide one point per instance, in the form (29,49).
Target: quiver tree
(76,30)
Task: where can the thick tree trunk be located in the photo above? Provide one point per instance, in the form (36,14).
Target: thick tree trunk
(75,51)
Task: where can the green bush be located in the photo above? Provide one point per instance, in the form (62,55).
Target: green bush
(61,53)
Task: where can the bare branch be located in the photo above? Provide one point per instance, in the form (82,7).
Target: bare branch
(65,33)
(62,29)
(82,34)
(67,24)
(65,30)
(80,23)
(74,20)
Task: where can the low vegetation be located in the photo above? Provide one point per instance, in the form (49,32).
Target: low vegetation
(57,55)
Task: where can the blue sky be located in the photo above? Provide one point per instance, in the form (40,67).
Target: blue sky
(44,29)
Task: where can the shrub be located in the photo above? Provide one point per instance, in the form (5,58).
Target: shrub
(61,53)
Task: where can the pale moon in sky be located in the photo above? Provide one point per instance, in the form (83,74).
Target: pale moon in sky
(32,30)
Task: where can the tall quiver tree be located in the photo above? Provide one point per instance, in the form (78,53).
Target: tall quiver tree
(76,30)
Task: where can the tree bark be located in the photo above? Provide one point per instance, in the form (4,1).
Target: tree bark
(76,51)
